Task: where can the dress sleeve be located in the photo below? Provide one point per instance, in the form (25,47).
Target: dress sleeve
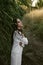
(25,40)
(14,34)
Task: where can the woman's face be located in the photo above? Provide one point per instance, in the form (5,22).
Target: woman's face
(19,24)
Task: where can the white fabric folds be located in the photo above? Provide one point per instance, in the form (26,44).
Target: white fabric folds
(16,52)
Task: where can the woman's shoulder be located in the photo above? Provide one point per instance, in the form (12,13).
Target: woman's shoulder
(18,33)
(15,31)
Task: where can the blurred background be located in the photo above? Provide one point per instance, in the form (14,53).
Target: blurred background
(31,14)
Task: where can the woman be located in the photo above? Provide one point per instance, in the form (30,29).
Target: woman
(19,41)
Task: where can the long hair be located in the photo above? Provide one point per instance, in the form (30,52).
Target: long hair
(15,25)
(15,28)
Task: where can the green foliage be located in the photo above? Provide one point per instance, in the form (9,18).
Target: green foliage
(8,10)
(40,3)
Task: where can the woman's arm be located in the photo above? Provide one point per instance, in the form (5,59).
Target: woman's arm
(25,40)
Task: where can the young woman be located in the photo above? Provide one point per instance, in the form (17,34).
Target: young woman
(19,41)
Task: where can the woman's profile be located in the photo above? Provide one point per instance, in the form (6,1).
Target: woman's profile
(19,41)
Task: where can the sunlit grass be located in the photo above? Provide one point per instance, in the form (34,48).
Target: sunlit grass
(33,21)
(34,15)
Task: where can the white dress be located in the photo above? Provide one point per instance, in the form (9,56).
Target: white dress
(16,52)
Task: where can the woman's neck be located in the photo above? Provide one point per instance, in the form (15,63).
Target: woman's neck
(20,30)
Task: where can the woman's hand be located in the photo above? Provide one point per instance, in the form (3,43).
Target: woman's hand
(20,44)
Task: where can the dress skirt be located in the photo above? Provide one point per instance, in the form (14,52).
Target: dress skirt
(16,56)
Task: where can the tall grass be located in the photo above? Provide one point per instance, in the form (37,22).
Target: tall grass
(34,23)
(33,28)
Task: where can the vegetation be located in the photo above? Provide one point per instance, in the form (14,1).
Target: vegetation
(17,8)
(33,28)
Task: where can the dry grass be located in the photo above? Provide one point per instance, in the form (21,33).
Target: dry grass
(33,21)
(34,15)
